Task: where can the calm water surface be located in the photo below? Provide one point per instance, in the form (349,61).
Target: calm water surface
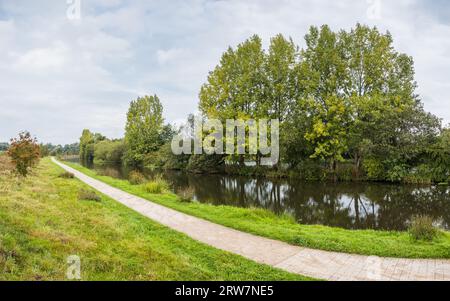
(346,205)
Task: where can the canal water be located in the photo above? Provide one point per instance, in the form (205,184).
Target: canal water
(347,205)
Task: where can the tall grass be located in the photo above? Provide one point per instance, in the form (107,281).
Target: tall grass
(157,186)
(422,228)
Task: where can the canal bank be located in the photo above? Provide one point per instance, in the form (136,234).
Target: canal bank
(309,262)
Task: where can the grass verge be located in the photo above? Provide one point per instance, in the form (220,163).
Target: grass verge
(265,223)
(42,222)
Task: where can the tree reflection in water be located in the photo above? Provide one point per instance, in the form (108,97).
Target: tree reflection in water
(346,205)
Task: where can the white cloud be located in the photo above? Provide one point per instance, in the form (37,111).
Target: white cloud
(170,55)
(43,60)
(60,76)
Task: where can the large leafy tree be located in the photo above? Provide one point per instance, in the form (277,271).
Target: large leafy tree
(282,90)
(322,74)
(357,84)
(440,156)
(389,121)
(144,128)
(236,87)
(87,143)
(348,95)
(86,140)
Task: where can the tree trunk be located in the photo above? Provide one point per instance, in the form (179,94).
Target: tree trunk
(241,160)
(334,170)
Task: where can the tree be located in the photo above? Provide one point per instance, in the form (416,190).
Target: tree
(87,143)
(322,74)
(144,131)
(24,152)
(281,90)
(236,86)
(440,157)
(330,121)
(347,96)
(360,98)
(380,83)
(109,152)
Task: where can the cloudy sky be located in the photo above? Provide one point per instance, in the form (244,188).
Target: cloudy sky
(64,69)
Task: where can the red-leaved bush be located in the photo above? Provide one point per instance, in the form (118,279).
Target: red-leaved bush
(24,152)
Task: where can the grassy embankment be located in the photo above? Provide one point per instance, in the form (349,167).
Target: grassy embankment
(42,222)
(264,223)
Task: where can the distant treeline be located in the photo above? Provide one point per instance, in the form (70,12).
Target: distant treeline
(51,149)
(3,146)
(59,150)
(347,106)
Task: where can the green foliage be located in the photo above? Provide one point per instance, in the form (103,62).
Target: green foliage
(164,158)
(374,169)
(348,95)
(24,153)
(422,174)
(310,170)
(88,195)
(422,228)
(135,177)
(157,186)
(144,131)
(329,128)
(439,154)
(345,172)
(397,173)
(87,143)
(59,150)
(109,152)
(206,163)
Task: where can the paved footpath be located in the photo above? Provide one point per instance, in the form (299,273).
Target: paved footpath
(294,259)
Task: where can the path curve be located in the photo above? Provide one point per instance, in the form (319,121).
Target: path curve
(314,263)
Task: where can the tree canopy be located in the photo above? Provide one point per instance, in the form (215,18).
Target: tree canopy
(144,131)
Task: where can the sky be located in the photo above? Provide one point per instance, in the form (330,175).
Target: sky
(66,65)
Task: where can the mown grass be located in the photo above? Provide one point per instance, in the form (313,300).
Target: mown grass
(42,222)
(264,223)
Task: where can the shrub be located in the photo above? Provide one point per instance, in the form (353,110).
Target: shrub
(157,186)
(311,170)
(422,174)
(422,228)
(207,164)
(109,152)
(397,173)
(186,194)
(24,153)
(136,178)
(345,172)
(374,169)
(87,195)
(66,175)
